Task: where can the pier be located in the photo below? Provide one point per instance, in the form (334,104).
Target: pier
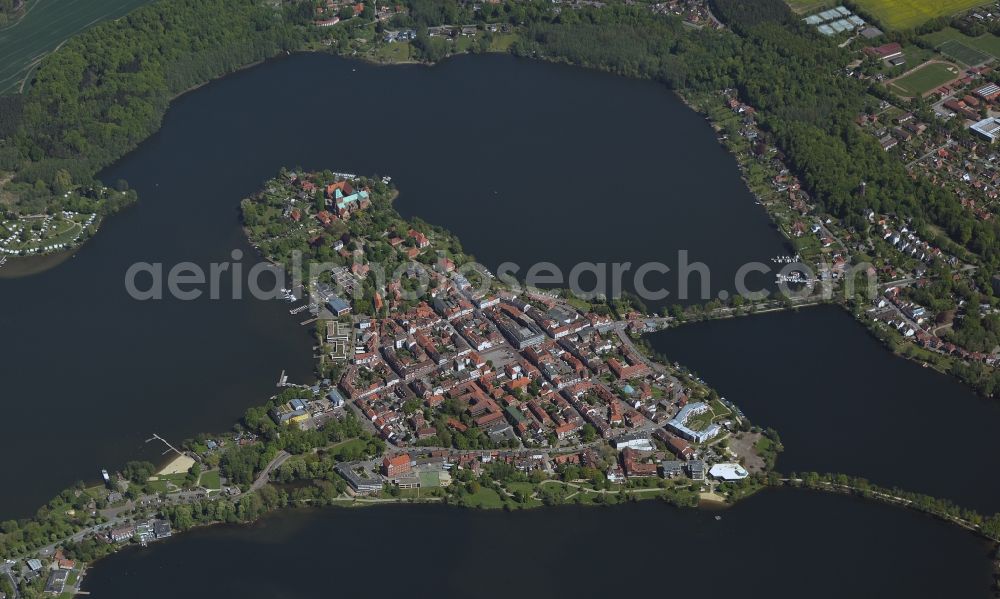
(282,380)
(301,308)
(310,321)
(170,447)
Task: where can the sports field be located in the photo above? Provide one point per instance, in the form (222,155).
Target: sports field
(961,47)
(907,14)
(956,50)
(924,78)
(47,24)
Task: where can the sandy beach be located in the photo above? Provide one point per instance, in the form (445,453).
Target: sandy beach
(179,465)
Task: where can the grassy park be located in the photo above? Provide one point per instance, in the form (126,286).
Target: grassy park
(210,480)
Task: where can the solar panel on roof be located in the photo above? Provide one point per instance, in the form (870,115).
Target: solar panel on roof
(986,90)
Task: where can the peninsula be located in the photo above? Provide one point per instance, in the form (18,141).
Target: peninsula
(440,381)
(440,384)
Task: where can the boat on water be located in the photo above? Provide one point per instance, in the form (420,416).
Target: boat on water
(104,475)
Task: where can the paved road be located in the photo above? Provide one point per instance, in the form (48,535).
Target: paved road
(265,476)
(6,570)
(931,153)
(627,342)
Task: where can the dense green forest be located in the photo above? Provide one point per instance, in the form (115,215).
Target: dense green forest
(107,89)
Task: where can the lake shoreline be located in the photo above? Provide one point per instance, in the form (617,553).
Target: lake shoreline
(401,500)
(704,506)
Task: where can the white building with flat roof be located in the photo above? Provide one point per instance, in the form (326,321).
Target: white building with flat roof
(728,471)
(988,128)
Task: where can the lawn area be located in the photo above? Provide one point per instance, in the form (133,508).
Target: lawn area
(97,491)
(764,445)
(579,304)
(210,480)
(350,448)
(907,14)
(701,421)
(394,52)
(161,484)
(486,498)
(178,479)
(915,55)
(720,409)
(950,40)
(157,486)
(502,41)
(924,78)
(525,487)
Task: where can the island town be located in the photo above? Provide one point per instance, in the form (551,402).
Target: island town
(466,377)
(520,398)
(443,384)
(506,398)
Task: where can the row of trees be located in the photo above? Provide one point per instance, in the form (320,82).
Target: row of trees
(944,508)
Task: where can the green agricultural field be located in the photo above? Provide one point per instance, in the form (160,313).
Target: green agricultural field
(805,7)
(907,14)
(924,78)
(949,38)
(47,24)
